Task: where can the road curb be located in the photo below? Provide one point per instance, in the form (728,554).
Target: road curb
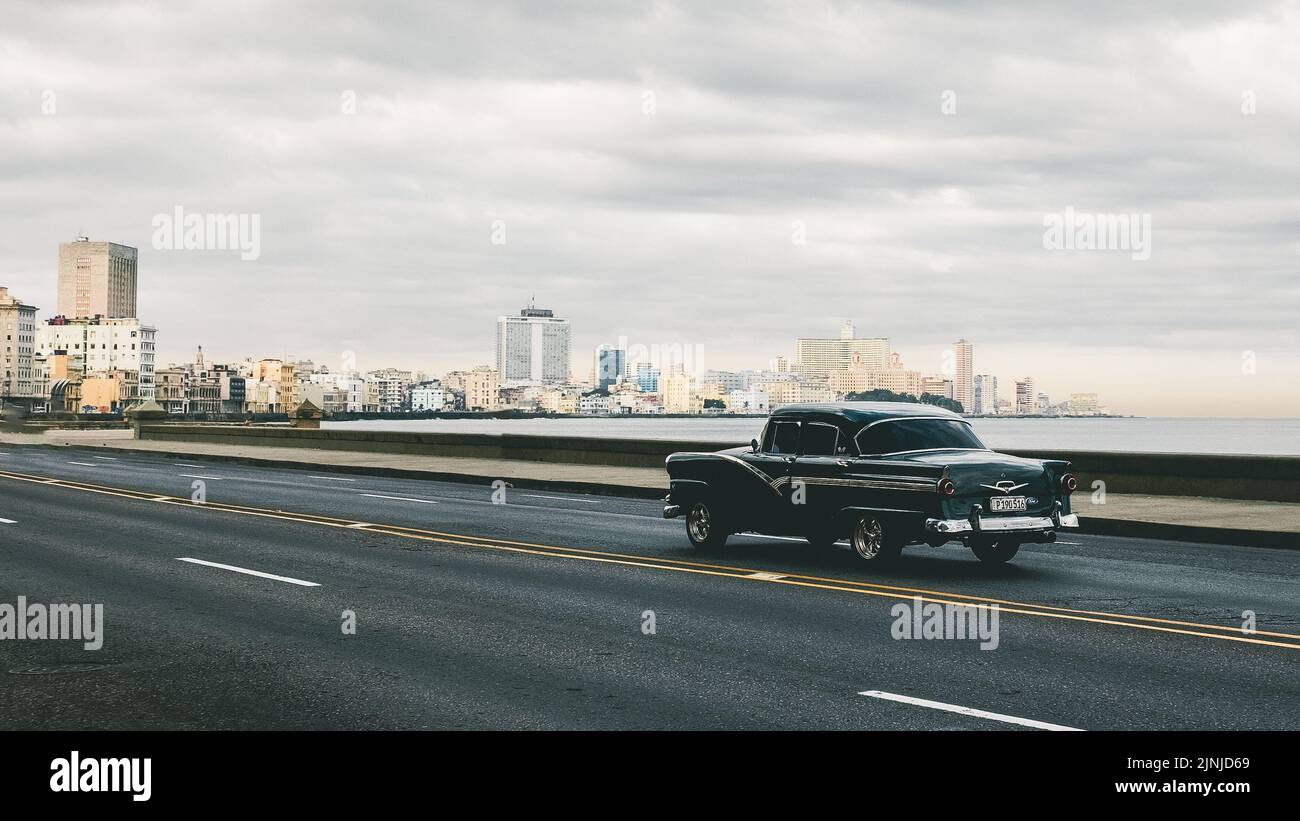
(1198,534)
(593,488)
(1201,534)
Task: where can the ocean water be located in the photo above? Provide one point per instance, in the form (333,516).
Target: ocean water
(1150,434)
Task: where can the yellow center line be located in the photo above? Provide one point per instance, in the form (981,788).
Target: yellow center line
(630,560)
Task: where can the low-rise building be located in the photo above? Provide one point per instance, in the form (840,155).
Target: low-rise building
(392,387)
(482,389)
(104,344)
(170,389)
(897,380)
(109,391)
(427,396)
(17,347)
(327,396)
(677,393)
(789,392)
(560,399)
(595,403)
(936,386)
(753,399)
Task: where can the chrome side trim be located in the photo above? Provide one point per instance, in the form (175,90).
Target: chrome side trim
(767,480)
(905,418)
(929,450)
(874,482)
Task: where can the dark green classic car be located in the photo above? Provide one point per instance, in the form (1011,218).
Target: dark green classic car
(883,474)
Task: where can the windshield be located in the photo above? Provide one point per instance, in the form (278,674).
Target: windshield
(897,436)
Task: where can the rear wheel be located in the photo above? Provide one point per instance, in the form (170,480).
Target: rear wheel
(704,528)
(995,552)
(871,542)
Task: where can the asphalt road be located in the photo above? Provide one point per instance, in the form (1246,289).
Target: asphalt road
(533,613)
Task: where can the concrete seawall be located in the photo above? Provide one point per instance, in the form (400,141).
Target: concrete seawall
(1264,478)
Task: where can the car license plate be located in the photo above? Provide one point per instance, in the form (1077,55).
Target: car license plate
(1007,504)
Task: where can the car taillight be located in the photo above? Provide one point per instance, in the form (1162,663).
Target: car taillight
(946,487)
(1068,483)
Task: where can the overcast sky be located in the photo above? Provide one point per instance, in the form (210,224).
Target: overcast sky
(724,175)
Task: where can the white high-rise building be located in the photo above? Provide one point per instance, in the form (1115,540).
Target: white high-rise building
(532,348)
(986,394)
(1025,396)
(963,378)
(102,344)
(96,279)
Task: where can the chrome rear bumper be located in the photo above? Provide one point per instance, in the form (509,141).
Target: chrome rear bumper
(1001,524)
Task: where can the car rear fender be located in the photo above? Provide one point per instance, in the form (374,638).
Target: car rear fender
(686,492)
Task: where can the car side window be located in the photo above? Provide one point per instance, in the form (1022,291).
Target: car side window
(784,438)
(819,439)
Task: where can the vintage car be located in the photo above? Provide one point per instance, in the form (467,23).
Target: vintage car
(882,474)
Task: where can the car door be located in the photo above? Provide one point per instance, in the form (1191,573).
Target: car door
(779,448)
(818,488)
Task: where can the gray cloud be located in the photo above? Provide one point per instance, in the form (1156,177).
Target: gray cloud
(676,225)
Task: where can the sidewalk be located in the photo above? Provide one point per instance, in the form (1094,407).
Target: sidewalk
(1222,521)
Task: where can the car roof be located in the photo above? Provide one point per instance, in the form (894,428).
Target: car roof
(864,412)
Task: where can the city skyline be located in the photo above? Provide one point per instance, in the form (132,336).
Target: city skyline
(97,283)
(535,341)
(663,192)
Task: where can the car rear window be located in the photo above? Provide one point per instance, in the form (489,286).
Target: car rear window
(901,435)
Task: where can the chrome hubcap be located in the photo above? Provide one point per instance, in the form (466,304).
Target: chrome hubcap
(868,537)
(698,523)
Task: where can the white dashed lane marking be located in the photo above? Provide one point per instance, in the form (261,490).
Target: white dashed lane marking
(400,498)
(966,711)
(561,498)
(246,571)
